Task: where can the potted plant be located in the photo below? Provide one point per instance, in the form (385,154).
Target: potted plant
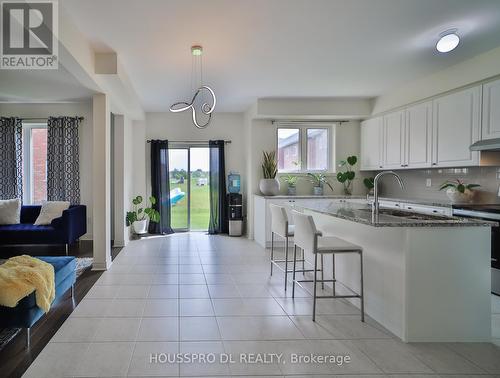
(139,216)
(269,185)
(369,184)
(458,191)
(291,181)
(347,176)
(319,180)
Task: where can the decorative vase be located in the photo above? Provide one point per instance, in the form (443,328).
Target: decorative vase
(457,197)
(318,190)
(140,226)
(348,188)
(292,190)
(269,187)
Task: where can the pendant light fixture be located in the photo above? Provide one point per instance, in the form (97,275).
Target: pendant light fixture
(199,91)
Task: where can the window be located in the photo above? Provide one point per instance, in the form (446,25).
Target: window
(288,149)
(304,147)
(34,163)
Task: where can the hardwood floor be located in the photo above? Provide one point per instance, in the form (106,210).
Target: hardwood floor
(15,358)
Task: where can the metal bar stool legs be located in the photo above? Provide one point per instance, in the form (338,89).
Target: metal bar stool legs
(286,261)
(362,291)
(272,252)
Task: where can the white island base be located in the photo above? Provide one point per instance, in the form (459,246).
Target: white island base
(421,283)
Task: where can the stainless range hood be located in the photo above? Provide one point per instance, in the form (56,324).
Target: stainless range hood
(486,145)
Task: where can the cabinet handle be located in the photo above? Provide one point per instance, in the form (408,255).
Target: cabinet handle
(434,163)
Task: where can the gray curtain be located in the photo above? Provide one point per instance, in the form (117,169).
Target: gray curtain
(63,159)
(219,221)
(11,158)
(160,187)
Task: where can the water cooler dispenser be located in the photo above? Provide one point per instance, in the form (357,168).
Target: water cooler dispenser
(235,203)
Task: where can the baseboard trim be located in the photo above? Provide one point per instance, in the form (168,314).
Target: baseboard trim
(101,266)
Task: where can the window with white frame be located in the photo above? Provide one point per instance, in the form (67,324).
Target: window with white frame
(304,147)
(34,163)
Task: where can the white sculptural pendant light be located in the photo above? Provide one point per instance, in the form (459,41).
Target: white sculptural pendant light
(206,108)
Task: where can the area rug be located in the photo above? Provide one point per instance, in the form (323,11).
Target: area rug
(7,334)
(83,264)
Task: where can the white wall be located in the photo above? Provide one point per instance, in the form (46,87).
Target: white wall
(261,135)
(478,68)
(123,177)
(175,127)
(83,109)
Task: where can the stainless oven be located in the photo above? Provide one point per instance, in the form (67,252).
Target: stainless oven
(492,213)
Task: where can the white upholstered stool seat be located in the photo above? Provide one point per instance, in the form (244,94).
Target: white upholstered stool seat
(337,245)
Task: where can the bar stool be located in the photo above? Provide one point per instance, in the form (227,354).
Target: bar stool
(281,227)
(307,237)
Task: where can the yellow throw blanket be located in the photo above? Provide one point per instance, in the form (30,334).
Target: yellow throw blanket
(21,275)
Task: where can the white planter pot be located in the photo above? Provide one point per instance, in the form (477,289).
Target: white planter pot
(318,190)
(140,226)
(292,190)
(269,187)
(458,197)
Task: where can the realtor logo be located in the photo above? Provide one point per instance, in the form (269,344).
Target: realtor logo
(29,35)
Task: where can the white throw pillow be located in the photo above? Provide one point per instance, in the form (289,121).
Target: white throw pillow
(50,211)
(10,211)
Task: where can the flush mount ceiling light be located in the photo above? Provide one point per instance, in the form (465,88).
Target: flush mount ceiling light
(201,92)
(448,41)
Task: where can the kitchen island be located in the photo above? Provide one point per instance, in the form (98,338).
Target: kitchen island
(426,278)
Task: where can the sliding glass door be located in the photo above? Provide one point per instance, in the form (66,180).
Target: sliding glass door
(189,187)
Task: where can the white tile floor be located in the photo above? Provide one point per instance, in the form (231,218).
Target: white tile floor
(193,293)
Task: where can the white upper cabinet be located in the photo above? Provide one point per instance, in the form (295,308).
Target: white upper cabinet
(371,133)
(393,140)
(491,110)
(456,125)
(418,136)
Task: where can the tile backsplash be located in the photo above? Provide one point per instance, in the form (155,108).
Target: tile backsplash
(416,183)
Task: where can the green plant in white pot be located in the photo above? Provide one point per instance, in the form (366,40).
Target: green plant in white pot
(139,216)
(346,177)
(319,180)
(459,191)
(291,181)
(269,185)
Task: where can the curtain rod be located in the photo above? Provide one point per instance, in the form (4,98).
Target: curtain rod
(190,141)
(41,118)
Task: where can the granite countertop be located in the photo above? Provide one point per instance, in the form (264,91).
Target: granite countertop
(362,213)
(414,201)
(309,196)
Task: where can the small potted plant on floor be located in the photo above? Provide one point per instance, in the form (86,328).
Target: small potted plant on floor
(458,191)
(269,185)
(319,180)
(139,216)
(291,182)
(346,177)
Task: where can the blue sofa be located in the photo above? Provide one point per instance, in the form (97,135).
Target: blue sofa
(64,230)
(27,313)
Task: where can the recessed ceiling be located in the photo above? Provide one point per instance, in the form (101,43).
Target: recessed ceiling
(282,48)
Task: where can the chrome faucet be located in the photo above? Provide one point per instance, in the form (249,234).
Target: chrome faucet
(375,205)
